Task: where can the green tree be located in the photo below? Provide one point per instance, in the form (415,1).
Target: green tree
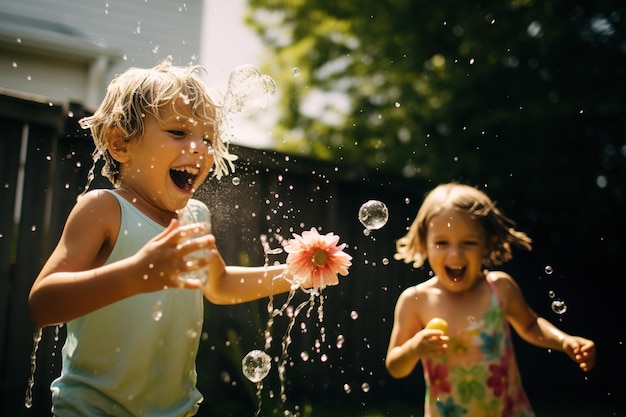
(519,95)
(401,80)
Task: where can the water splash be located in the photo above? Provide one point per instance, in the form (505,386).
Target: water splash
(28,401)
(247,87)
(292,314)
(288,310)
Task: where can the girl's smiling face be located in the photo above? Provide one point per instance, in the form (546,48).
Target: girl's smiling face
(456,247)
(170,161)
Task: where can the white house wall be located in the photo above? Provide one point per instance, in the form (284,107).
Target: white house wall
(71,49)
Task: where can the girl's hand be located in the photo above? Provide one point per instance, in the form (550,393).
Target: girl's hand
(581,350)
(430,343)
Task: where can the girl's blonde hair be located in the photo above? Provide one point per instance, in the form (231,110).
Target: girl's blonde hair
(499,230)
(137,92)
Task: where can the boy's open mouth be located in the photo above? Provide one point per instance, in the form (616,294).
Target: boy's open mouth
(184,177)
(455,274)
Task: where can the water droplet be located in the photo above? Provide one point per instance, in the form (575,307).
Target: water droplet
(340,340)
(236,181)
(256,365)
(365,387)
(295,71)
(559,307)
(549,270)
(373,214)
(354,315)
(157,312)
(225,377)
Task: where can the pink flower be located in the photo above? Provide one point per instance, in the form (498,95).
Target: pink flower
(315,260)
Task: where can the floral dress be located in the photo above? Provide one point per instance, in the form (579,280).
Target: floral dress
(480,377)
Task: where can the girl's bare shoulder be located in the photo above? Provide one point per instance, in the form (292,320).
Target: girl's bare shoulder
(504,283)
(420,290)
(499,277)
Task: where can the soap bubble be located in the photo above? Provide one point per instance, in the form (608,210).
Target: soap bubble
(256,365)
(373,214)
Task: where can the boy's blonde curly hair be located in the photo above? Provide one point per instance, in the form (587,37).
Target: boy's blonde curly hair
(137,92)
(500,232)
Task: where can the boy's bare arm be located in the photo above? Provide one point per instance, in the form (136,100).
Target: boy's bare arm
(240,284)
(74,281)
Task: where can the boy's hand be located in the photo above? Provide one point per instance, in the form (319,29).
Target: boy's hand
(162,259)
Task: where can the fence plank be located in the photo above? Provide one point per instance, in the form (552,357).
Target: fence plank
(30,238)
(9,151)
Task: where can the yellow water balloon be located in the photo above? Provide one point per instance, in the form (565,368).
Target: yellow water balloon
(438,324)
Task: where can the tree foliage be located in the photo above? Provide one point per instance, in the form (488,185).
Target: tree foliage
(519,94)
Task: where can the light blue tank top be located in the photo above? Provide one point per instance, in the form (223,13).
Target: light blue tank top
(135,357)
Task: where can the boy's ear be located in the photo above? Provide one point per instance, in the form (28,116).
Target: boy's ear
(118,146)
